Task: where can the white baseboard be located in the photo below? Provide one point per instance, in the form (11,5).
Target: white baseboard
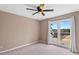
(18,47)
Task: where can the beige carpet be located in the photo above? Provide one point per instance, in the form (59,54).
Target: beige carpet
(39,49)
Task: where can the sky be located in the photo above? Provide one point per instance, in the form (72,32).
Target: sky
(63,25)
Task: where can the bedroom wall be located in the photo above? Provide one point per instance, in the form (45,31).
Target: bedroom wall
(44,26)
(17,30)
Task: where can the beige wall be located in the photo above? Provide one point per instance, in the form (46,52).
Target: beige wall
(17,30)
(44,26)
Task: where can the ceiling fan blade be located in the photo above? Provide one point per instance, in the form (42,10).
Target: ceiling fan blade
(31,9)
(47,10)
(34,13)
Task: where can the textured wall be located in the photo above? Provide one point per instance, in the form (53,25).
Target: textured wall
(17,30)
(44,26)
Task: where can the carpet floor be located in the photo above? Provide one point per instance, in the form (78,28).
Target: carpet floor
(39,49)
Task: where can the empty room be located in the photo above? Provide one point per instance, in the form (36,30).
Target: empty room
(39,29)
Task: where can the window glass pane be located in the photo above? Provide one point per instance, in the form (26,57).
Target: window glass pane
(54,33)
(65,33)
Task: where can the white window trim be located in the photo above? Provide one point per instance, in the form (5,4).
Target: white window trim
(73,39)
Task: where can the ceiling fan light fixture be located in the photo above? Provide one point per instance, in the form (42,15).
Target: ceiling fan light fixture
(39,10)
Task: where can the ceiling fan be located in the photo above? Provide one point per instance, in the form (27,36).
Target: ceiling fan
(39,9)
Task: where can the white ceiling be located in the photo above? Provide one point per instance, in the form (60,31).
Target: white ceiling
(20,9)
